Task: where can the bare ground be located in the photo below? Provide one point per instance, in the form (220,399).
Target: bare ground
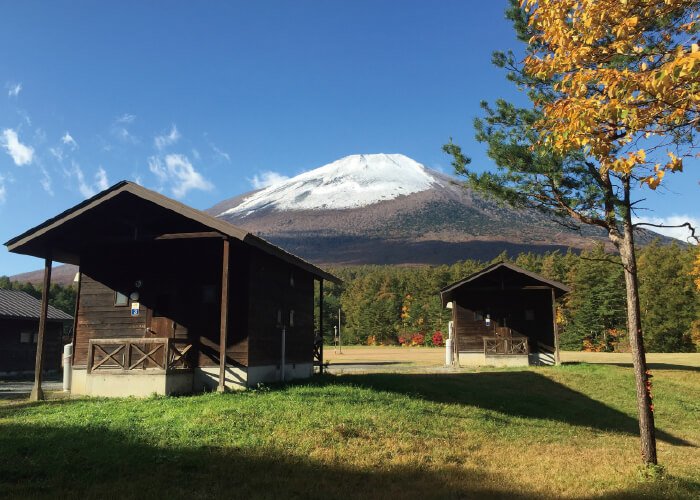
(393,356)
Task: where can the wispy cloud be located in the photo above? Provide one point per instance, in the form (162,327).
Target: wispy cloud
(124,134)
(125,118)
(14,89)
(3,193)
(89,189)
(222,154)
(266,179)
(681,233)
(162,141)
(69,141)
(20,153)
(178,171)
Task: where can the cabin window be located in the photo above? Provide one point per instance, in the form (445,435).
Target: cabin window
(291,317)
(36,337)
(25,337)
(120,299)
(529,315)
(478,315)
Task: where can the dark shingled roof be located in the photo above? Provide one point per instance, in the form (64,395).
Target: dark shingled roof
(447,292)
(17,304)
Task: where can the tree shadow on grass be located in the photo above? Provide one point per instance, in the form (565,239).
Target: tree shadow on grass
(92,461)
(523,394)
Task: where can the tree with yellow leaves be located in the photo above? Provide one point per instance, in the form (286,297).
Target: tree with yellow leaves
(615,84)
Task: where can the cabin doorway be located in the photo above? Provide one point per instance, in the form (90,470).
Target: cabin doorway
(160,322)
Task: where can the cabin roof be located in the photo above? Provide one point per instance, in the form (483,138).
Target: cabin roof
(126,211)
(481,281)
(17,304)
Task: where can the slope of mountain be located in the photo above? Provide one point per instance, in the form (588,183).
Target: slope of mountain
(389,209)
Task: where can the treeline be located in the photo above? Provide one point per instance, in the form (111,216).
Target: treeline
(61,297)
(390,305)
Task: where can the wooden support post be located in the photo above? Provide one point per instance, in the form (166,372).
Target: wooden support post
(320,326)
(224,319)
(38,394)
(557,359)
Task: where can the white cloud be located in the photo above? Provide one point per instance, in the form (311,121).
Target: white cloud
(101,179)
(681,233)
(266,179)
(14,89)
(179,172)
(162,141)
(223,154)
(45,179)
(21,154)
(57,153)
(126,118)
(3,197)
(86,189)
(69,141)
(196,154)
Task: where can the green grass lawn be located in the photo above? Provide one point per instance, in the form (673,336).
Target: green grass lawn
(569,431)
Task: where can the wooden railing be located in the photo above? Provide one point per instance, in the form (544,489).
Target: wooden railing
(138,355)
(505,345)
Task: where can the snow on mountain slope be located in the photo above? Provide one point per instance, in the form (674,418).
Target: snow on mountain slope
(351,182)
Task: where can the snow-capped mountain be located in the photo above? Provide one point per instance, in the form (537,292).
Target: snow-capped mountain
(351,182)
(390,209)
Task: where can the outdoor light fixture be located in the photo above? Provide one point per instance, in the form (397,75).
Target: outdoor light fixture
(134,296)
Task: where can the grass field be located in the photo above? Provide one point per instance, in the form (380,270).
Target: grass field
(559,432)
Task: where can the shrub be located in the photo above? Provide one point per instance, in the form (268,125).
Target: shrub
(418,339)
(438,341)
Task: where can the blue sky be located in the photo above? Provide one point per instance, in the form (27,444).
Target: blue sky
(206,100)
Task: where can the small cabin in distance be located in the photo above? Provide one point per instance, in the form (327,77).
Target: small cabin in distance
(19,327)
(504,316)
(173,300)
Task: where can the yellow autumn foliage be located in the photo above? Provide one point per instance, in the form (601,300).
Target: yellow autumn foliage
(622,77)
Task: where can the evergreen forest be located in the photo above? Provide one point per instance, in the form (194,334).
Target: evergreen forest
(388,305)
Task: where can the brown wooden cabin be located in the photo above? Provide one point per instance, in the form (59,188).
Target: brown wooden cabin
(19,332)
(504,316)
(165,288)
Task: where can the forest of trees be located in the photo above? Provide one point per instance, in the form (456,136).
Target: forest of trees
(390,305)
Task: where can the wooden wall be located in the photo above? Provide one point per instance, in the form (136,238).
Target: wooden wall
(272,298)
(507,309)
(16,356)
(99,318)
(187,271)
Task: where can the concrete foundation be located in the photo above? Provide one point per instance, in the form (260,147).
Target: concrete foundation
(480,359)
(542,358)
(471,359)
(206,378)
(507,360)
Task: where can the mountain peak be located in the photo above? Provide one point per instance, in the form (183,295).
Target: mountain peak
(350,182)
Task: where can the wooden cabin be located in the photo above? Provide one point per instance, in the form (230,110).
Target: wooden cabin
(504,316)
(165,289)
(19,334)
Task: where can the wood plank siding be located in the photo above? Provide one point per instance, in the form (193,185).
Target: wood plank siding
(277,289)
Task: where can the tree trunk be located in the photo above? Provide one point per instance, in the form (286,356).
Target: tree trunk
(634,329)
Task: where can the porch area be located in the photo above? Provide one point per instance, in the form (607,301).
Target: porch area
(122,367)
